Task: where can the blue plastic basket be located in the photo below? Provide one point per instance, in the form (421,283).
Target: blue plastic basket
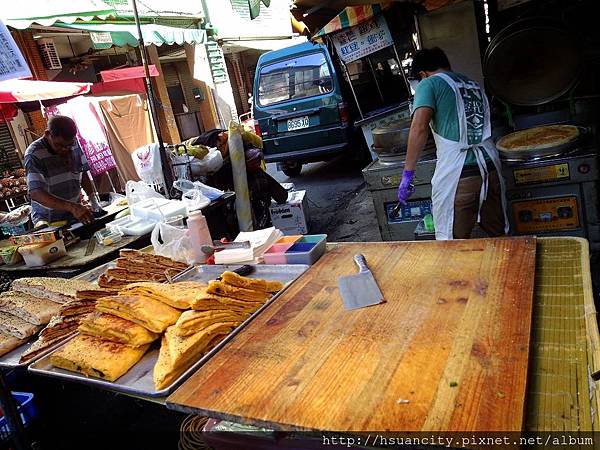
(26,409)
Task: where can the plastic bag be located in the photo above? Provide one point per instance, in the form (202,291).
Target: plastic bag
(172,242)
(208,191)
(209,164)
(194,199)
(136,191)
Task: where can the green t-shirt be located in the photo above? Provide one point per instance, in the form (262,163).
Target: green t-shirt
(435,93)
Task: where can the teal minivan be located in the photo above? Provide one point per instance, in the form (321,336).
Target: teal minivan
(299,107)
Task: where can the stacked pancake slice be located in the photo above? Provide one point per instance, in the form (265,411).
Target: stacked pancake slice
(122,327)
(64,323)
(134,266)
(217,309)
(29,306)
(189,318)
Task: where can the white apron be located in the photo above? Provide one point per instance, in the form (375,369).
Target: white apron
(451,159)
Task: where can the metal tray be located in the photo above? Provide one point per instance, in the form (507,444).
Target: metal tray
(138,380)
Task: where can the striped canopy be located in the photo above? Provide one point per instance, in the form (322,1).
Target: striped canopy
(351,16)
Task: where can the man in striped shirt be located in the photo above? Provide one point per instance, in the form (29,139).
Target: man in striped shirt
(55,168)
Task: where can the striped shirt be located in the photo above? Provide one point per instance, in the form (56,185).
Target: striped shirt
(57,175)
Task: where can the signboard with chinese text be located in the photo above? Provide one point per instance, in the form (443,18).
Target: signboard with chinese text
(362,39)
(12,63)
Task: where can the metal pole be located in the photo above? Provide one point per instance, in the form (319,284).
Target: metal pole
(375,79)
(164,159)
(402,70)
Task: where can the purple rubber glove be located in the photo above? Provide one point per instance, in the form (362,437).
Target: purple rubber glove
(406,188)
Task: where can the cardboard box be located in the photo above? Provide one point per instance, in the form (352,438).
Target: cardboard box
(291,217)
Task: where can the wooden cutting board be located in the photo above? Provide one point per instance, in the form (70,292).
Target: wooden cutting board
(447,351)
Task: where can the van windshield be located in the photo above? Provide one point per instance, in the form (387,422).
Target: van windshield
(294,78)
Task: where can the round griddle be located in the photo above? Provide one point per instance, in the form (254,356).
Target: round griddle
(532,62)
(535,154)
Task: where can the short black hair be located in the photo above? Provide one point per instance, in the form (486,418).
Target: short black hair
(429,60)
(62,126)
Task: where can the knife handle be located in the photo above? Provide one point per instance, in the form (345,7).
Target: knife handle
(361,262)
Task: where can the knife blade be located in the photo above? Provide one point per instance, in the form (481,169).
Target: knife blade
(361,289)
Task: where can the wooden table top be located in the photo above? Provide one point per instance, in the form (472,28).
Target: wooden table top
(447,351)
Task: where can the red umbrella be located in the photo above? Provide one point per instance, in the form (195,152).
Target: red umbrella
(12,91)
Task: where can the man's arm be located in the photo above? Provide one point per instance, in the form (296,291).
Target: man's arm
(417,138)
(50,201)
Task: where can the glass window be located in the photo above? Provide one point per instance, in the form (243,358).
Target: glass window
(294,78)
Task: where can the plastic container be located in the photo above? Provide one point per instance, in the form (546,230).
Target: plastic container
(10,256)
(304,250)
(36,255)
(200,235)
(108,236)
(132,226)
(288,239)
(157,209)
(26,409)
(276,253)
(175,221)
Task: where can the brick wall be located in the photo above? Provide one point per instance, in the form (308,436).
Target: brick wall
(37,122)
(31,53)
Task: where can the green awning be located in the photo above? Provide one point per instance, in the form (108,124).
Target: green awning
(254,6)
(105,35)
(21,14)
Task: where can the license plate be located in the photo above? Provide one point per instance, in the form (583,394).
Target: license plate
(297,123)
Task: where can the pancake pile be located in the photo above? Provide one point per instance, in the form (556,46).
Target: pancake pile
(30,305)
(134,266)
(64,323)
(217,309)
(188,317)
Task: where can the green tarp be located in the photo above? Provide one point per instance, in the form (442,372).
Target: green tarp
(126,34)
(21,14)
(254,6)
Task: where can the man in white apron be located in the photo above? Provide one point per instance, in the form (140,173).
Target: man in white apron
(467,187)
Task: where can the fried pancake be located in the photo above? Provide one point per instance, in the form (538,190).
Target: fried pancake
(254,284)
(16,327)
(116,329)
(178,295)
(94,294)
(59,290)
(42,345)
(8,343)
(178,353)
(227,290)
(151,314)
(97,358)
(191,322)
(37,311)
(207,302)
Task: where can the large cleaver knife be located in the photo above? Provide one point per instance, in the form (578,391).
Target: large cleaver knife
(360,290)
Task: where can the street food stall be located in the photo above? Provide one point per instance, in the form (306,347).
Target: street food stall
(478,338)
(519,352)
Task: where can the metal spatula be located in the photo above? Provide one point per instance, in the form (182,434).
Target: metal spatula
(360,290)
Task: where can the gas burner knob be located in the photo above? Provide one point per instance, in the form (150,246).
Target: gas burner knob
(583,168)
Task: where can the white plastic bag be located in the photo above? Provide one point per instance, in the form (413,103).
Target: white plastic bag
(208,191)
(172,242)
(136,191)
(194,199)
(209,164)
